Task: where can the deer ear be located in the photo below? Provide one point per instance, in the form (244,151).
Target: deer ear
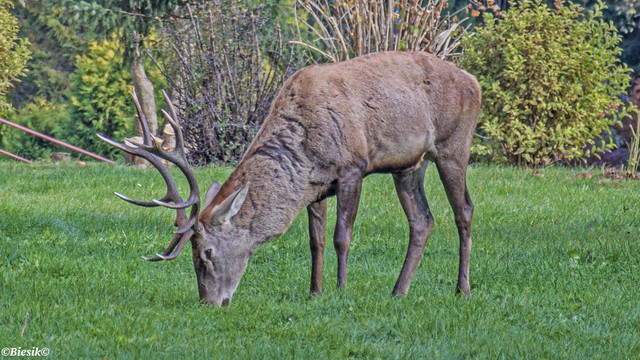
(229,207)
(211,193)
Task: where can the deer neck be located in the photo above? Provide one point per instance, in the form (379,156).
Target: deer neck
(278,189)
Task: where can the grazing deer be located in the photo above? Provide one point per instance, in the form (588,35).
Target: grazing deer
(330,126)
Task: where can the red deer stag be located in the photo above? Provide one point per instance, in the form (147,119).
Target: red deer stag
(329,127)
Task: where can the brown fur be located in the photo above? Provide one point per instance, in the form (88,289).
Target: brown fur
(330,126)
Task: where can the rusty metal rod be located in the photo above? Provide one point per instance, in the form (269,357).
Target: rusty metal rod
(14,156)
(55,141)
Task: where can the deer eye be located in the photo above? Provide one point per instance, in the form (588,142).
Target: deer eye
(208,253)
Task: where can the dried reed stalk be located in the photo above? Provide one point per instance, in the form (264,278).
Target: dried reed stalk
(337,30)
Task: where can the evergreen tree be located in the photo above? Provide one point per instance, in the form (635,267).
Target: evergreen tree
(134,21)
(54,46)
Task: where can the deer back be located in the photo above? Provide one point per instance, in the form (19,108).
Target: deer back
(382,111)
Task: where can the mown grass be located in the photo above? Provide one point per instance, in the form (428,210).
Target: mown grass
(554,274)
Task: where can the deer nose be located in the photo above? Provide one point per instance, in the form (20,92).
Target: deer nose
(225,302)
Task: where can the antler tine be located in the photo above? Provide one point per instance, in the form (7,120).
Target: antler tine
(135,202)
(174,249)
(177,156)
(172,117)
(144,124)
(194,196)
(172,192)
(172,109)
(151,150)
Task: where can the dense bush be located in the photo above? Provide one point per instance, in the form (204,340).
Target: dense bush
(43,116)
(100,102)
(625,15)
(225,71)
(13,51)
(551,81)
(54,46)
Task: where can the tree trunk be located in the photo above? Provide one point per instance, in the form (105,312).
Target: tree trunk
(144,89)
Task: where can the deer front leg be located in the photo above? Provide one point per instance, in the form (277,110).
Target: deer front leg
(317,212)
(410,188)
(348,198)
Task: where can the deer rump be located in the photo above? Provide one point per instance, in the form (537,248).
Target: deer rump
(330,126)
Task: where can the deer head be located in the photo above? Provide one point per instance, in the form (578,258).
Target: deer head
(218,270)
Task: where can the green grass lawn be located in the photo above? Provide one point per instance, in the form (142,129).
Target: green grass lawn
(555,273)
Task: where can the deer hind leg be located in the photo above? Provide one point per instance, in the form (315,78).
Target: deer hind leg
(317,212)
(348,198)
(410,189)
(453,173)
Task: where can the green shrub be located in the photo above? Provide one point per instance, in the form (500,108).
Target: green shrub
(40,115)
(551,81)
(101,101)
(13,51)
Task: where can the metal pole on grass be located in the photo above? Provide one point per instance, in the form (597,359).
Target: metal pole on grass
(14,156)
(55,141)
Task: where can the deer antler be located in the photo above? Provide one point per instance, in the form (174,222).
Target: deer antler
(150,149)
